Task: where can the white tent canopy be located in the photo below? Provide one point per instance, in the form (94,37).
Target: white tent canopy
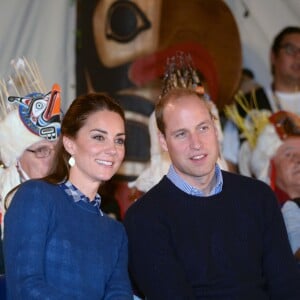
(44,31)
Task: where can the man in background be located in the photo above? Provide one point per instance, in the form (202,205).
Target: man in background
(282,94)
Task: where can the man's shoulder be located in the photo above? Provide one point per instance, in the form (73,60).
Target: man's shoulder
(250,191)
(243,182)
(259,91)
(153,200)
(152,194)
(259,98)
(38,184)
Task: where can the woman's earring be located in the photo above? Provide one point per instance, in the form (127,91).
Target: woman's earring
(71,161)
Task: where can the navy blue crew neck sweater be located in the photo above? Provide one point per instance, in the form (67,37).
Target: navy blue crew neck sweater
(232,245)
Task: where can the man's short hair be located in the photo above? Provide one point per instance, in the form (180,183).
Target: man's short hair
(280,36)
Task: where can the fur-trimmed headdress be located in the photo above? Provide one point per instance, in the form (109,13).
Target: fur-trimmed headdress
(28,114)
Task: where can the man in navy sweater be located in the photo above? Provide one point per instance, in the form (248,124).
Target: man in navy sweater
(203,233)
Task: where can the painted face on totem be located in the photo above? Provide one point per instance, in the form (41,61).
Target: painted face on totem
(123,46)
(133,39)
(125,30)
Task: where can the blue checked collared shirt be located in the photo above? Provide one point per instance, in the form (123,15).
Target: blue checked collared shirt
(77,195)
(185,187)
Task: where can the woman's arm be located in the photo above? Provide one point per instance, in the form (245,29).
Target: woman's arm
(25,237)
(118,286)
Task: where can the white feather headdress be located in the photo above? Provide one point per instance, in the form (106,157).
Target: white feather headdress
(15,135)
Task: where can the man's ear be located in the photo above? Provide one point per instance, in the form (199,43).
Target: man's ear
(68,145)
(162,141)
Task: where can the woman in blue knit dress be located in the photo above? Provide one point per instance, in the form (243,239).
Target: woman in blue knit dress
(58,244)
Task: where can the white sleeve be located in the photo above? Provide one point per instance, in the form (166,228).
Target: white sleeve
(291,216)
(231,142)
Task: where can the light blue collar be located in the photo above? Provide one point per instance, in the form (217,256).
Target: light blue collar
(187,188)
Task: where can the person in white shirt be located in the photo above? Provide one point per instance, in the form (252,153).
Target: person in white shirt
(282,94)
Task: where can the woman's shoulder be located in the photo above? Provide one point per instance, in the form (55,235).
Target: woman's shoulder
(113,227)
(38,185)
(33,191)
(112,222)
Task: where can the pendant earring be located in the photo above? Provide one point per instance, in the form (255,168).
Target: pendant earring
(71,161)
